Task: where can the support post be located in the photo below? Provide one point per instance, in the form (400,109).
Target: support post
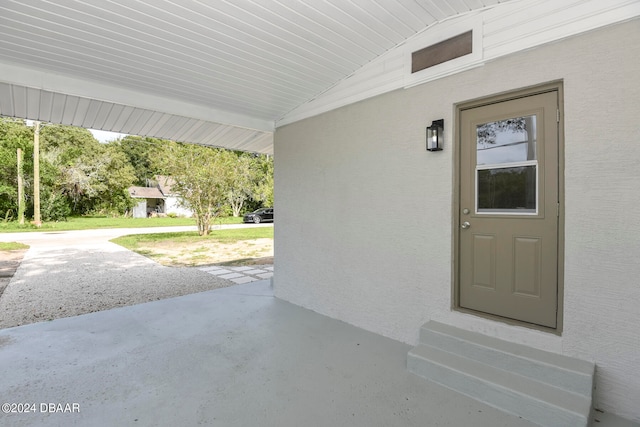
(36,174)
(20,189)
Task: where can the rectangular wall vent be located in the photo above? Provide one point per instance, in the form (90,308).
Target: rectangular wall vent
(444,51)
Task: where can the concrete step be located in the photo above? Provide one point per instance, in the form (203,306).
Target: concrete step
(545,388)
(564,372)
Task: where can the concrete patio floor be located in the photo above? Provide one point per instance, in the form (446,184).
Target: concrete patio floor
(235,356)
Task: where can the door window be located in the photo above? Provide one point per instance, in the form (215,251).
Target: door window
(507,166)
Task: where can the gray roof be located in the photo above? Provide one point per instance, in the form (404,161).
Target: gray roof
(165,183)
(145,193)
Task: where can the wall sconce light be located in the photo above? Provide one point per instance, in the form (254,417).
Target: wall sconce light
(435,135)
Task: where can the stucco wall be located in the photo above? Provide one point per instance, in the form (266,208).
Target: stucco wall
(364,229)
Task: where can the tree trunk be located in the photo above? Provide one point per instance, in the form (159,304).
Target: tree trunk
(236,206)
(236,210)
(204,223)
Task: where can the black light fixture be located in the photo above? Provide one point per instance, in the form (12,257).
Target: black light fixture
(435,135)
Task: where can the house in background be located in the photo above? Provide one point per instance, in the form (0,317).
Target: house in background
(173,203)
(158,199)
(521,228)
(151,201)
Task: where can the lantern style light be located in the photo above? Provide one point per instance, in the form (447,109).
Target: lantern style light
(435,135)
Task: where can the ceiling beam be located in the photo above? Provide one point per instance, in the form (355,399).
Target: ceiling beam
(68,85)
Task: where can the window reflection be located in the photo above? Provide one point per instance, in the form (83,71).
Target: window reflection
(506,141)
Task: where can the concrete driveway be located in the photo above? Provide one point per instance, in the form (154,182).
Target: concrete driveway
(70,273)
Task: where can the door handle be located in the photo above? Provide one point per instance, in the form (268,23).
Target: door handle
(465,225)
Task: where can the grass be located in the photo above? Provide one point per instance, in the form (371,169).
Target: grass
(94,222)
(12,246)
(190,249)
(133,241)
(195,249)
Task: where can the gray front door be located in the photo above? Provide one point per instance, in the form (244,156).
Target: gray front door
(509,202)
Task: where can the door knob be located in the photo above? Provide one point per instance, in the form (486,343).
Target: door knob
(465,225)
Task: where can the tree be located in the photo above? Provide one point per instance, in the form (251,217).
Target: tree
(111,181)
(140,152)
(54,205)
(263,186)
(243,175)
(14,134)
(487,132)
(202,179)
(252,183)
(70,155)
(79,175)
(91,177)
(69,142)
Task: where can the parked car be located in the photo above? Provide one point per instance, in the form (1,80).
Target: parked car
(260,215)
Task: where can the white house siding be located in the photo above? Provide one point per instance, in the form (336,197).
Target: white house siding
(140,210)
(172,205)
(365,212)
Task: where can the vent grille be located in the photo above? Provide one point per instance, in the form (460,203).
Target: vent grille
(444,51)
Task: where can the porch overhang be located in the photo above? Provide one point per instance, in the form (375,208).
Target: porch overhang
(214,74)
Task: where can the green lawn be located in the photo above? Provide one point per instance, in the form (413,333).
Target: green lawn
(12,246)
(93,222)
(133,241)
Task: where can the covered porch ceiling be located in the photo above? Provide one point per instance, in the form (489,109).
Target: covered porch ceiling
(219,73)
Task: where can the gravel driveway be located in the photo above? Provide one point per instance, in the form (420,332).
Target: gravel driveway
(72,273)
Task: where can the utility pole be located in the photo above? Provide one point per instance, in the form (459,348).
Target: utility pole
(20,189)
(36,174)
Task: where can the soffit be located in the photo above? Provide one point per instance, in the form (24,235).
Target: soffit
(194,64)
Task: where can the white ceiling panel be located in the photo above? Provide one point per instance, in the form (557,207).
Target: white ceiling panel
(234,62)
(70,106)
(19,95)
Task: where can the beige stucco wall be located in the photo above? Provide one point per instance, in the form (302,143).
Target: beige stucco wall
(364,230)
